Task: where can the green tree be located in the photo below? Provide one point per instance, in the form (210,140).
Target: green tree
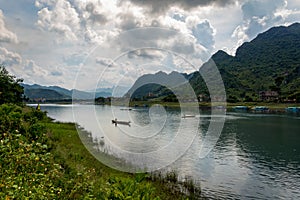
(10,89)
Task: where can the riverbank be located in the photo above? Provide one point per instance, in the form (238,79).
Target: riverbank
(206,105)
(119,185)
(43,159)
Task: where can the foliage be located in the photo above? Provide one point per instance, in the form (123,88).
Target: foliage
(269,62)
(10,89)
(48,94)
(127,188)
(40,159)
(27,168)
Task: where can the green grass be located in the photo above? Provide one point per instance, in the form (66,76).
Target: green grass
(70,151)
(40,159)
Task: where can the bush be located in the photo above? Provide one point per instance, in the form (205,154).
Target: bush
(10,89)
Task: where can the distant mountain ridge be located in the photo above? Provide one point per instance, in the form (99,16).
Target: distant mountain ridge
(36,91)
(270,62)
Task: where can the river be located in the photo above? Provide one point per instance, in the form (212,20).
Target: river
(257,156)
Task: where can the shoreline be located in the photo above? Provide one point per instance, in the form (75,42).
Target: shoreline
(272,107)
(54,154)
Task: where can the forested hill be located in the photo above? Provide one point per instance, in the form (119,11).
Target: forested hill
(270,62)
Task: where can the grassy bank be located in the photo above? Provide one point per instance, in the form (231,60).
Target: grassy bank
(40,159)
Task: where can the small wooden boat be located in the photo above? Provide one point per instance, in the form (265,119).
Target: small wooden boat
(188,116)
(126,109)
(116,122)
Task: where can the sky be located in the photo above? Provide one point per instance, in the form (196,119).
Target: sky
(86,44)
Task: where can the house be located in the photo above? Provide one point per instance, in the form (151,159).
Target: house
(268,95)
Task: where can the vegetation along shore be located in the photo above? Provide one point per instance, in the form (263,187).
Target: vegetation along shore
(42,159)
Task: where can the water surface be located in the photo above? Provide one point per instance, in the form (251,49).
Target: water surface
(256,157)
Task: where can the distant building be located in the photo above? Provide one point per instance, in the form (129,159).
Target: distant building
(203,98)
(268,95)
(150,94)
(41,99)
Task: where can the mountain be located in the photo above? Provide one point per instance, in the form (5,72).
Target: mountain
(36,91)
(270,62)
(45,94)
(116,91)
(150,85)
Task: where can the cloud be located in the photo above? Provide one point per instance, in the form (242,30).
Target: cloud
(160,6)
(74,59)
(31,67)
(107,62)
(129,21)
(202,30)
(66,32)
(61,18)
(56,73)
(74,20)
(5,34)
(146,54)
(9,58)
(23,68)
(258,16)
(95,14)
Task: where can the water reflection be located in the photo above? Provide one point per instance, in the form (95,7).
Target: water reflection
(256,157)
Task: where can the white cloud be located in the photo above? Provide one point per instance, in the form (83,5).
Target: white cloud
(60,34)
(9,58)
(240,34)
(26,68)
(258,16)
(203,31)
(5,34)
(32,69)
(60,18)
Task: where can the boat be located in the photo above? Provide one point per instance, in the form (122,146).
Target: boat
(293,109)
(260,109)
(188,116)
(241,108)
(116,122)
(126,109)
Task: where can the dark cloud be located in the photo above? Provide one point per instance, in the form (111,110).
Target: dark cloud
(146,53)
(95,16)
(128,21)
(143,37)
(160,6)
(56,73)
(183,47)
(107,62)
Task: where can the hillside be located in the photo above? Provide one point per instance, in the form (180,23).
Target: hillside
(45,94)
(270,62)
(38,92)
(149,85)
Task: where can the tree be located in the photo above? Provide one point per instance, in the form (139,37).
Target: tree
(10,89)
